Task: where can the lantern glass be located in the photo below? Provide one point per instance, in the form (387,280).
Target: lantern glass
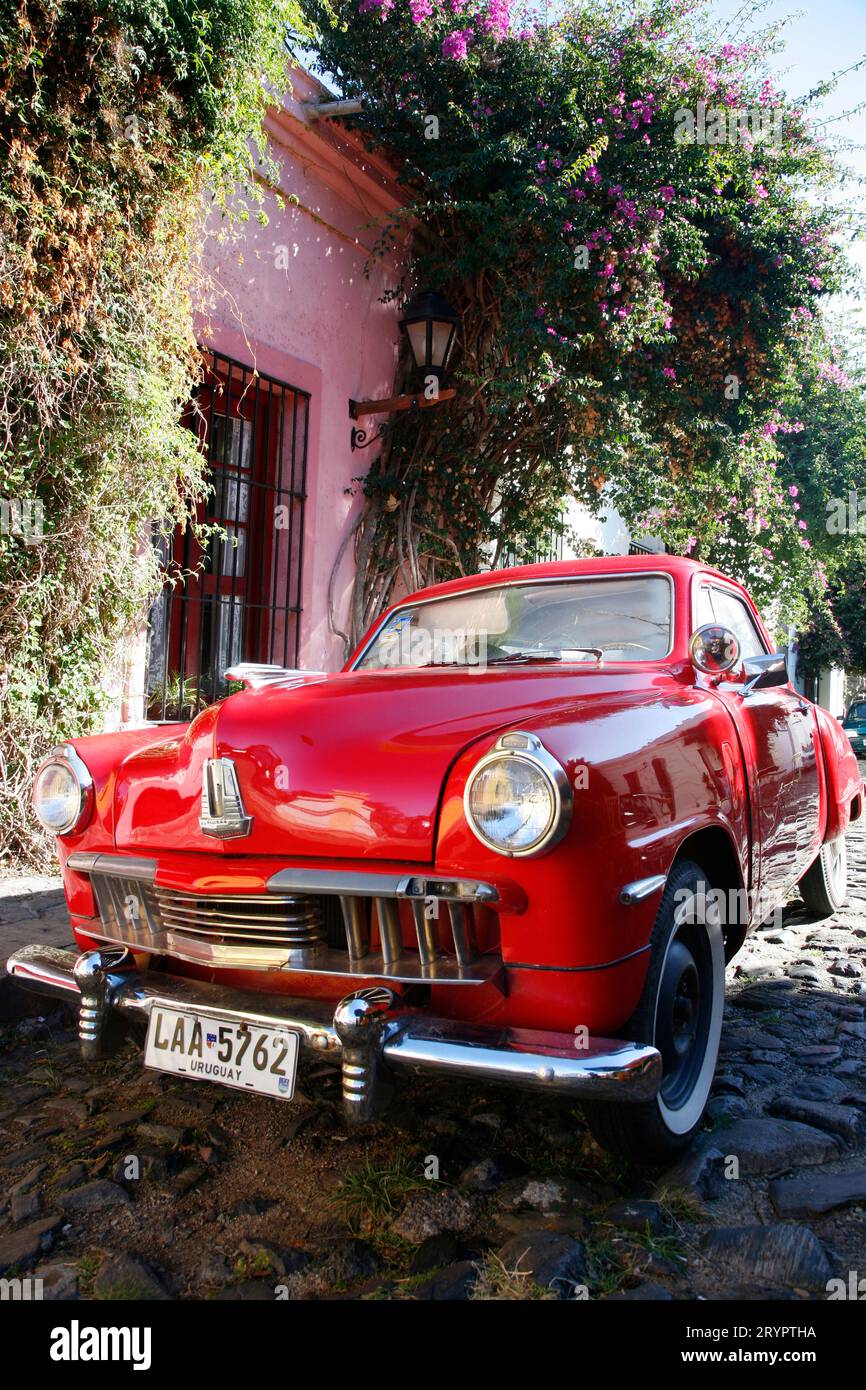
(417,335)
(443,334)
(430,324)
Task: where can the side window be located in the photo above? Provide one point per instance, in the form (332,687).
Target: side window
(733,613)
(704,607)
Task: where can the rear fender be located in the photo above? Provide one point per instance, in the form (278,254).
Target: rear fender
(842,771)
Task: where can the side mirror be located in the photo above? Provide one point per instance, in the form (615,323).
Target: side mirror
(714,649)
(762,672)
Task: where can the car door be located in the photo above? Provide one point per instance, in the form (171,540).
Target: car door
(779,730)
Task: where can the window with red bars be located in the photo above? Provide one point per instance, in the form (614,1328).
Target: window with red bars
(236,594)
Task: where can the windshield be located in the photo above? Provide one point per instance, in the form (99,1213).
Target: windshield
(581,620)
(858,711)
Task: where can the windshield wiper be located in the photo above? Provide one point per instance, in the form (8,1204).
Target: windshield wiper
(522,656)
(564,655)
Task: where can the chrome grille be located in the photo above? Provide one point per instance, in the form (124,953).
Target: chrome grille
(285,920)
(264,930)
(294,927)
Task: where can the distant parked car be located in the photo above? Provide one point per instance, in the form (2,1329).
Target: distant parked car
(516,840)
(854,725)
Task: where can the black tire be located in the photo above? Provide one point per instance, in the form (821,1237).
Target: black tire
(824,886)
(680,1012)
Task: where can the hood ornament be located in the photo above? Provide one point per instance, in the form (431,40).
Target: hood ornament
(222,807)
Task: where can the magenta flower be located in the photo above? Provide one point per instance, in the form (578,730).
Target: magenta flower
(456,44)
(497,20)
(828,371)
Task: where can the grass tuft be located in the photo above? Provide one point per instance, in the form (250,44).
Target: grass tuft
(375,1192)
(496,1281)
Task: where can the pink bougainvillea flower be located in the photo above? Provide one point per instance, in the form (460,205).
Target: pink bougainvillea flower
(497,20)
(456,44)
(828,371)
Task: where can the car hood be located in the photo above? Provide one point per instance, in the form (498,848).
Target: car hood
(350,766)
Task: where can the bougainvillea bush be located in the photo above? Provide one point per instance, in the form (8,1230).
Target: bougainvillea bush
(620,205)
(822,467)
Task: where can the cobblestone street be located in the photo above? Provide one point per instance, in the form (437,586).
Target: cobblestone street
(118,1183)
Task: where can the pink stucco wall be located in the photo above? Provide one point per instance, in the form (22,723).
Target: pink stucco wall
(291,298)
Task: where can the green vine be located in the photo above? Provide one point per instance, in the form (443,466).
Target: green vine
(115,117)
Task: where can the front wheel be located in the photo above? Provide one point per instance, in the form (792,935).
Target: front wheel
(680,1013)
(824,886)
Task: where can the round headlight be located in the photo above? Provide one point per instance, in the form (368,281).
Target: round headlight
(518,799)
(62,792)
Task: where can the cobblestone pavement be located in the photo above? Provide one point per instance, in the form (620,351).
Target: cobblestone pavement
(32,913)
(118,1183)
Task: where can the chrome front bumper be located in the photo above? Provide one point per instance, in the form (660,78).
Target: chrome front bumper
(370,1031)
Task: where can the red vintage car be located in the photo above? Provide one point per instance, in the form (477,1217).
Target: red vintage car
(516,839)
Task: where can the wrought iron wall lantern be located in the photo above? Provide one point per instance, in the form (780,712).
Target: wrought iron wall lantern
(430,325)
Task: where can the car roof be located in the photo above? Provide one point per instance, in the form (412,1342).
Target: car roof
(563,569)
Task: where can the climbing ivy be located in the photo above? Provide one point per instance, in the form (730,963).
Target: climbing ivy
(116,118)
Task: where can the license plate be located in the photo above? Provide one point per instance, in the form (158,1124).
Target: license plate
(250,1057)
